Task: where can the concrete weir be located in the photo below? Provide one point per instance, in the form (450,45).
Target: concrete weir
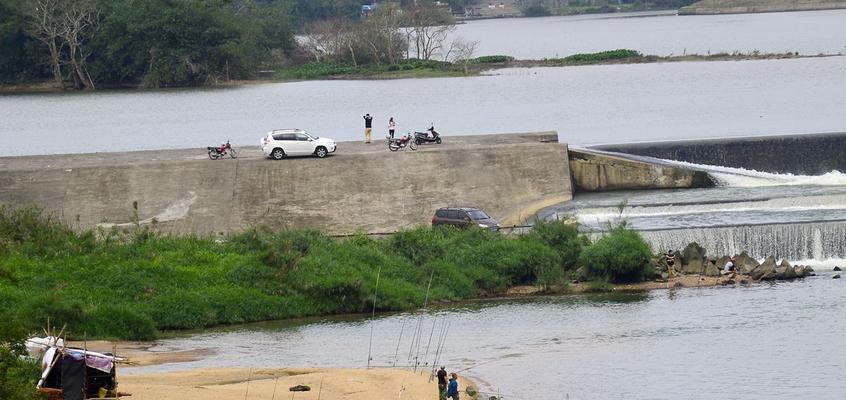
(596,171)
(361,188)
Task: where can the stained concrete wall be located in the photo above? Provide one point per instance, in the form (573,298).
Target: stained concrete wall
(360,189)
(798,154)
(593,172)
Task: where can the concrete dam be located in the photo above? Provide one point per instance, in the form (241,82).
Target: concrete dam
(813,154)
(361,188)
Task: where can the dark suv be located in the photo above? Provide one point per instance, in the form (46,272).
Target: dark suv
(463,217)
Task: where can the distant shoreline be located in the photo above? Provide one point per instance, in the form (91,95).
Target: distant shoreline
(474,69)
(719,7)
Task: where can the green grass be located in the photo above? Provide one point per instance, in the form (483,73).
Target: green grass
(407,68)
(602,56)
(134,284)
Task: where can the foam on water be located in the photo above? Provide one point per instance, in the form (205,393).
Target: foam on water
(741,177)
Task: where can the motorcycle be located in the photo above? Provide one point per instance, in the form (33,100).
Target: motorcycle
(216,152)
(395,144)
(431,135)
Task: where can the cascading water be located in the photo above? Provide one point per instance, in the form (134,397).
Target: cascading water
(797,217)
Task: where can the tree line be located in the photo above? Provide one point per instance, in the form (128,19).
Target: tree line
(85,44)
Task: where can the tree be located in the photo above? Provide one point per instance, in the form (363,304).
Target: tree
(427,28)
(18,51)
(461,52)
(45,25)
(78,20)
(621,255)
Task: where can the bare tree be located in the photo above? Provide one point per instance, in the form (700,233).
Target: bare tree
(461,51)
(79,19)
(330,39)
(427,28)
(45,26)
(64,26)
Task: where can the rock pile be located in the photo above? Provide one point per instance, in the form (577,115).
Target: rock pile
(693,261)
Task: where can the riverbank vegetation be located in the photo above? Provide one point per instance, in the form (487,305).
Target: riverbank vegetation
(542,8)
(134,284)
(88,44)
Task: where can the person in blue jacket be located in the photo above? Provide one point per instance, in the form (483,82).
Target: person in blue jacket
(452,390)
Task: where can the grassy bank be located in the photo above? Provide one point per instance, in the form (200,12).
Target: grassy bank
(132,285)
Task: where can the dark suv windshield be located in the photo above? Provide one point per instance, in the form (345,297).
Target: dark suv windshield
(478,214)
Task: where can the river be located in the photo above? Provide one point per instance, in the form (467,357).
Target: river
(586,105)
(661,33)
(768,341)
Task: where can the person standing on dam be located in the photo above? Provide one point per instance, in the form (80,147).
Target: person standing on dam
(442,384)
(368,127)
(392,126)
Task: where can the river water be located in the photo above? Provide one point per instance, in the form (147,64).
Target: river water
(586,105)
(662,33)
(769,341)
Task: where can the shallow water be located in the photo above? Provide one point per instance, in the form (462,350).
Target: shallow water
(586,105)
(769,341)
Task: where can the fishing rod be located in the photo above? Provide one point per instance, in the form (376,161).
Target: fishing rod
(420,324)
(396,353)
(373,317)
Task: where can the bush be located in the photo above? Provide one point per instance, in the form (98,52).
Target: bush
(536,10)
(564,239)
(18,375)
(621,256)
(602,56)
(493,59)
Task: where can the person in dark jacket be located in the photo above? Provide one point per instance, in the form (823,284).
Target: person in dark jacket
(442,384)
(368,127)
(452,389)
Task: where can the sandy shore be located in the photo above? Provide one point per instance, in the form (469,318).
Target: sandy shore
(325,384)
(243,383)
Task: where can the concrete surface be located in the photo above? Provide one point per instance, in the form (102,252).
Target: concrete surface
(361,188)
(593,172)
(811,154)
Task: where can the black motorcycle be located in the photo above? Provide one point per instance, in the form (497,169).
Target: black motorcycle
(431,135)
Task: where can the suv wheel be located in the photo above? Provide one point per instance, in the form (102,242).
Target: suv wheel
(277,154)
(321,152)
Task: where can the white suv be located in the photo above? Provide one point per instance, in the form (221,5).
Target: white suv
(280,143)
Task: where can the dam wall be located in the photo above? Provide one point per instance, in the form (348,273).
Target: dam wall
(593,172)
(796,154)
(361,188)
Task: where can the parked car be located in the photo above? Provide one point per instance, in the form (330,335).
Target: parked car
(281,143)
(463,217)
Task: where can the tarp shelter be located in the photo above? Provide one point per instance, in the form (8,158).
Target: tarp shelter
(76,374)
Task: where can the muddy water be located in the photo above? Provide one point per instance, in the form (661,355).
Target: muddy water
(771,341)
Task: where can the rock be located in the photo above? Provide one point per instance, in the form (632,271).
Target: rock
(836,276)
(299,388)
(679,284)
(743,263)
(836,268)
(711,270)
(799,271)
(658,264)
(765,271)
(785,271)
(807,271)
(744,282)
(693,252)
(693,267)
(665,276)
(582,274)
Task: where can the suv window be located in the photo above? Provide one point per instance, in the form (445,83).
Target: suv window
(453,214)
(478,214)
(302,137)
(284,136)
(441,213)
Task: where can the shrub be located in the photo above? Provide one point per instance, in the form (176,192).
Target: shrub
(536,10)
(563,238)
(621,256)
(493,59)
(18,375)
(602,56)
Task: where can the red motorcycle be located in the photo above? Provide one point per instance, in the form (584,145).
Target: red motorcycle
(216,152)
(395,144)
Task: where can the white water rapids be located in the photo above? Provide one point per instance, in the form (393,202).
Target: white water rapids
(798,217)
